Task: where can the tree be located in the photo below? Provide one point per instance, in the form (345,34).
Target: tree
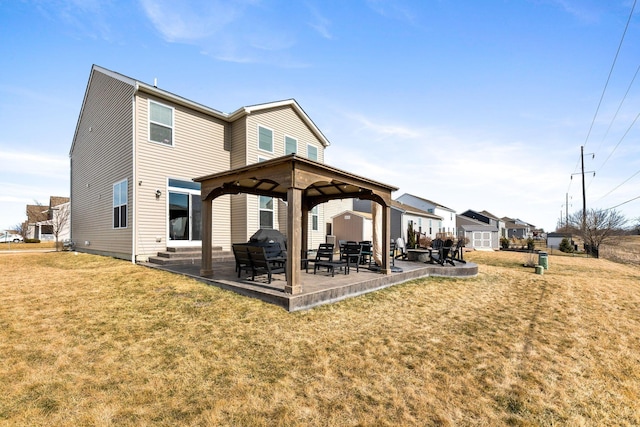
(411,236)
(59,220)
(21,228)
(599,226)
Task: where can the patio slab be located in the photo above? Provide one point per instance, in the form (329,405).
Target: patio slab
(320,288)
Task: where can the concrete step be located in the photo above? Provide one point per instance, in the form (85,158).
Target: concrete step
(178,249)
(191,256)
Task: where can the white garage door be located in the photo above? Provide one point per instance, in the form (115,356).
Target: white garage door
(481,239)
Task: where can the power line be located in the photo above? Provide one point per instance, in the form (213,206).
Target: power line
(623,136)
(604,90)
(619,107)
(620,185)
(623,203)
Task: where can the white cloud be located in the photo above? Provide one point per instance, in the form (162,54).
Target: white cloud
(460,169)
(39,165)
(320,23)
(394,9)
(191,21)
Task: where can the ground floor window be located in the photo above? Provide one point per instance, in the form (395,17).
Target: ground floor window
(266,212)
(120,204)
(314,218)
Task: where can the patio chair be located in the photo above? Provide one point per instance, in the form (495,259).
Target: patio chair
(243,262)
(351,253)
(442,251)
(458,252)
(392,253)
(265,265)
(367,252)
(324,259)
(402,247)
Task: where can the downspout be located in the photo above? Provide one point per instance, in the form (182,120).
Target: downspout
(134,184)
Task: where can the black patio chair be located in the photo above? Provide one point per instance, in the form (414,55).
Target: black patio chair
(351,253)
(324,259)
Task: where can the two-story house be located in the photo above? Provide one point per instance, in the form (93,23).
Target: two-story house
(135,152)
(517,229)
(446,225)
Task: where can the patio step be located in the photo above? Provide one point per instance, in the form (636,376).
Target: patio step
(186,255)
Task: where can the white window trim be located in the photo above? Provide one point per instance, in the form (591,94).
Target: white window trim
(273,212)
(315,214)
(172,127)
(273,135)
(126,203)
(285,144)
(317,159)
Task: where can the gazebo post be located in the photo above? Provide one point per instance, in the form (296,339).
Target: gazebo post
(206,269)
(294,240)
(304,241)
(386,238)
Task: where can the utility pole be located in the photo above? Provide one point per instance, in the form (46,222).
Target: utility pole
(584,193)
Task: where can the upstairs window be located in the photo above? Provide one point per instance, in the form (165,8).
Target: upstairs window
(120,204)
(160,123)
(290,145)
(312,153)
(265,139)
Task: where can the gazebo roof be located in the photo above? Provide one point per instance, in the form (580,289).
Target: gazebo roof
(274,177)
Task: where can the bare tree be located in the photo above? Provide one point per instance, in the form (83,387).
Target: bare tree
(599,226)
(59,218)
(21,228)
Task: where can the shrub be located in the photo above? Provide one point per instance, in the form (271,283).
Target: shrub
(411,236)
(530,244)
(504,243)
(32,240)
(566,246)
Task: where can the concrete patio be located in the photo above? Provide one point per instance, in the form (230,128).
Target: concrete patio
(320,288)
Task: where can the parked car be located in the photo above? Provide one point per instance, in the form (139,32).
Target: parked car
(6,237)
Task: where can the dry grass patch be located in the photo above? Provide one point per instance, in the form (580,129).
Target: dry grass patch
(21,246)
(87,340)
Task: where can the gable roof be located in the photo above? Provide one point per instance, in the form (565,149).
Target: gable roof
(516,223)
(413,210)
(427,201)
(179,100)
(469,224)
(490,215)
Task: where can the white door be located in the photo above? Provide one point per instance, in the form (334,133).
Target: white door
(184,219)
(482,239)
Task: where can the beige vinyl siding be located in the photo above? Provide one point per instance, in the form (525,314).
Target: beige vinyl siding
(239,202)
(284,121)
(198,149)
(101,156)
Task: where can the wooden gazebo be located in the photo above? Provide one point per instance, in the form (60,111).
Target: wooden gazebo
(303,184)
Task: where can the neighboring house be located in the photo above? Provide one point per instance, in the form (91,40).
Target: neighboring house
(137,148)
(487,218)
(44,220)
(480,235)
(447,223)
(35,214)
(518,229)
(58,223)
(423,222)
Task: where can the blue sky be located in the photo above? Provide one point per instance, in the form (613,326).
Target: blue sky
(477,105)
